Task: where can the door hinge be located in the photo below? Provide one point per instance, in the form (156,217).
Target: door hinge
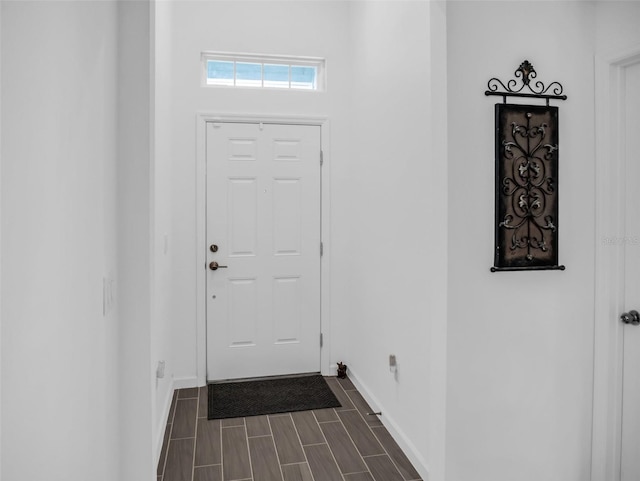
(321,249)
(321,340)
(321,158)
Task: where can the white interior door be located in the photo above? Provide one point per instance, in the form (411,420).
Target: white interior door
(630,458)
(263,216)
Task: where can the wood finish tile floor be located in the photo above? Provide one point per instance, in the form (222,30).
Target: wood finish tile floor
(342,444)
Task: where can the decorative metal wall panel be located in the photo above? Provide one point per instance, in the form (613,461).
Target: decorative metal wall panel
(526,166)
(526,234)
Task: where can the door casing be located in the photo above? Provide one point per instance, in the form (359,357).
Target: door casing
(325,272)
(609,269)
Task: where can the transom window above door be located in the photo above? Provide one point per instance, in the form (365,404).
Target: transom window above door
(262,71)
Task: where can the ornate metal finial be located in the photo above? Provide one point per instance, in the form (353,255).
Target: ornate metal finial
(525,88)
(527,70)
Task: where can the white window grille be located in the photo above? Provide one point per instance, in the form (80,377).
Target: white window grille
(262,71)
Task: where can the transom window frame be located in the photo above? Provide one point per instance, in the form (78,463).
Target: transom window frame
(284,60)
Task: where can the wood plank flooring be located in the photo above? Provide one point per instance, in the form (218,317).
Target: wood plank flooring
(342,444)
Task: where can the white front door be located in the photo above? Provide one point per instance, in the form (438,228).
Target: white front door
(630,458)
(263,222)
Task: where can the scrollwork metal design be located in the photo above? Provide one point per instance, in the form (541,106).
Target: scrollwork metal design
(526,183)
(528,187)
(525,85)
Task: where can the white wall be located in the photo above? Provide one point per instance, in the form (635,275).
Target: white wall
(136,249)
(287,28)
(397,212)
(161,327)
(520,344)
(59,354)
(0,244)
(617,26)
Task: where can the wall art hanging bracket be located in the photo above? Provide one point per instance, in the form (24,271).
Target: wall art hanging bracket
(525,85)
(526,174)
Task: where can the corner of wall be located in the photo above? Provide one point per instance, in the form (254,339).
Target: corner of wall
(439,155)
(0,247)
(394,429)
(162,421)
(135,281)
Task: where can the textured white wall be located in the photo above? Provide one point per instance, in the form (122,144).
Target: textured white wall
(59,354)
(520,344)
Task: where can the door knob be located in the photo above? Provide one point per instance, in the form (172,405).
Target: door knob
(214,266)
(631,317)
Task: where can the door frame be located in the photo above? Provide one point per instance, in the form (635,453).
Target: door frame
(202,118)
(609,299)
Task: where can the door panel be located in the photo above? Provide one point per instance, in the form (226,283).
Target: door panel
(263,214)
(630,459)
(242,216)
(243,313)
(286,309)
(287,217)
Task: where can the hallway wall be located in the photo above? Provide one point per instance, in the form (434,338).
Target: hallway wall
(59,353)
(397,210)
(162,218)
(0,244)
(136,277)
(520,344)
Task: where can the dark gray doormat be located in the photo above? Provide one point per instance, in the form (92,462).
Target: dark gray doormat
(269,396)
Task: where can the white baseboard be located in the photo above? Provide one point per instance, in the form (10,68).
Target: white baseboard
(396,432)
(162,422)
(185,382)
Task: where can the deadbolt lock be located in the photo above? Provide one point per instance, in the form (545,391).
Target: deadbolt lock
(213,248)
